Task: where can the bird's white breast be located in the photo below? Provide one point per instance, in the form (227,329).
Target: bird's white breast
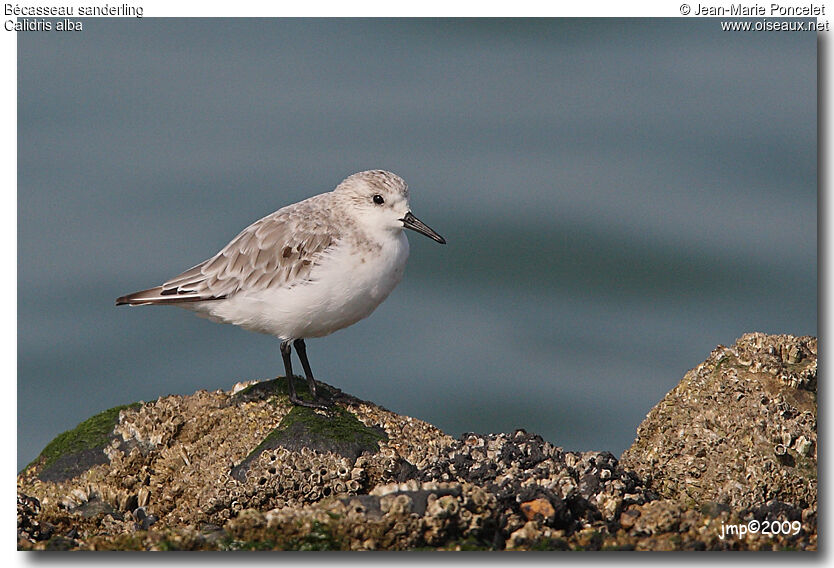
(345,287)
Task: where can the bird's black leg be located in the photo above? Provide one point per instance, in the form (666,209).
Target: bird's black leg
(286,351)
(301,349)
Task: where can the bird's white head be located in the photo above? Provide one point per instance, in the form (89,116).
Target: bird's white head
(379,199)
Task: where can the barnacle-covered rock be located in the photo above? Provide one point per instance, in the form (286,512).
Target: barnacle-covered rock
(202,459)
(29,529)
(740,429)
(734,443)
(570,490)
(392,517)
(79,449)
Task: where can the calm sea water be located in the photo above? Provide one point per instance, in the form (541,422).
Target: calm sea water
(619,196)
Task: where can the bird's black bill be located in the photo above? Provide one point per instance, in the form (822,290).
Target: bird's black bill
(415,224)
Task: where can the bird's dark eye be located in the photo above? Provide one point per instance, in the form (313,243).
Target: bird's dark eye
(378,199)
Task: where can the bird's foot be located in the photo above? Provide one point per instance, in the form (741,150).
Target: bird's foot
(315,403)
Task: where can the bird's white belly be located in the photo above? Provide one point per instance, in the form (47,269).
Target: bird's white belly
(344,288)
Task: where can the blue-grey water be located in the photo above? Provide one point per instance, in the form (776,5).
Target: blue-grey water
(619,197)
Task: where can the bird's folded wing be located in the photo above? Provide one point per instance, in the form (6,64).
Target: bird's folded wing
(279,250)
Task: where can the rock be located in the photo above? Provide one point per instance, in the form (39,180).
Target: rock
(657,517)
(245,470)
(527,535)
(29,529)
(175,458)
(337,431)
(537,509)
(77,450)
(705,443)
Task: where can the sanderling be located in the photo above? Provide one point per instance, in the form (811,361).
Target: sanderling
(306,270)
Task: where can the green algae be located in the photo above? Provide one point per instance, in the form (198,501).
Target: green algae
(91,434)
(336,430)
(338,425)
(279,388)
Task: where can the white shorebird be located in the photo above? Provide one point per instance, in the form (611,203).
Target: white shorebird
(306,270)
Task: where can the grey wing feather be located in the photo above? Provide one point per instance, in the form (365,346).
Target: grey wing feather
(279,250)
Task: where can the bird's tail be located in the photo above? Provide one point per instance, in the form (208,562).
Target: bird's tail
(157,296)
